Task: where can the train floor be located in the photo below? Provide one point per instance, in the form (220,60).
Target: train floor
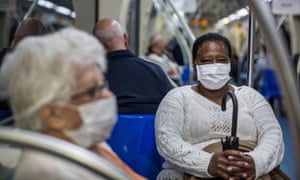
(288,164)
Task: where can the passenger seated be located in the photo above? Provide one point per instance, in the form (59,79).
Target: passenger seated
(189,120)
(56,87)
(157,54)
(138,84)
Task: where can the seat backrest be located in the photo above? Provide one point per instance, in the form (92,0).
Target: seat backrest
(7,174)
(185,74)
(6,117)
(270,86)
(134,142)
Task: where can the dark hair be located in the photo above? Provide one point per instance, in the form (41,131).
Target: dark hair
(210,37)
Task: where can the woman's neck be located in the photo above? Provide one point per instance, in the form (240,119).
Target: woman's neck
(213,95)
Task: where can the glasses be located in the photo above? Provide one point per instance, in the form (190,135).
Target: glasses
(212,59)
(91,92)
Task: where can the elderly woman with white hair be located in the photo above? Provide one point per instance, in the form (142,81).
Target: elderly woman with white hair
(157,54)
(56,86)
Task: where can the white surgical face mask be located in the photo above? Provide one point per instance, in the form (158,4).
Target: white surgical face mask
(213,76)
(98,120)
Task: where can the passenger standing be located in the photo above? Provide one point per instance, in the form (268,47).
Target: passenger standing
(234,67)
(285,38)
(174,48)
(239,37)
(26,28)
(139,85)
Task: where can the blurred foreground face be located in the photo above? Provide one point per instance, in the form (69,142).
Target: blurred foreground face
(90,86)
(58,88)
(89,116)
(91,112)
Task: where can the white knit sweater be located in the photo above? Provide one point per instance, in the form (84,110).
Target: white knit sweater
(187,121)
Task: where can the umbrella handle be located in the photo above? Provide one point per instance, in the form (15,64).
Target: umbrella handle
(234,111)
(230,142)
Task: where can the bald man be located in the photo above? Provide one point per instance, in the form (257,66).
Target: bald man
(138,84)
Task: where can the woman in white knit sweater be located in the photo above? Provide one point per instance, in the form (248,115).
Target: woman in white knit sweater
(190,118)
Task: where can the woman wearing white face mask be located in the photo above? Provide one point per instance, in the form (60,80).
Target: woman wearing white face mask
(189,119)
(59,89)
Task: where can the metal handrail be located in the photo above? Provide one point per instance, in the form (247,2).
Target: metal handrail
(186,28)
(30,10)
(282,67)
(185,42)
(251,48)
(37,141)
(179,36)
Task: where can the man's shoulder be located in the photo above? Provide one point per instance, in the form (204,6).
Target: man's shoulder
(127,54)
(144,64)
(122,53)
(147,62)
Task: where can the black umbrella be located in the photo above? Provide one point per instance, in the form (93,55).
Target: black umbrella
(231,142)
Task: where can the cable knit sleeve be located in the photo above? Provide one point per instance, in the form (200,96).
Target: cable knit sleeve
(270,147)
(170,142)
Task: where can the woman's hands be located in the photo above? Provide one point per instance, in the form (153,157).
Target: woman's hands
(232,164)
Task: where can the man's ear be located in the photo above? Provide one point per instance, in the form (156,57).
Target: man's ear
(125,40)
(51,116)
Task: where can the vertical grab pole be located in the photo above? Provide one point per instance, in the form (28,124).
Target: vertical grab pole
(96,10)
(137,25)
(33,5)
(250,48)
(190,34)
(283,69)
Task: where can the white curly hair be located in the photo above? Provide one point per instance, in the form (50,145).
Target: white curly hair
(41,70)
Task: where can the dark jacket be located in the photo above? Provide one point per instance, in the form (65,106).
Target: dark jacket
(4,105)
(138,84)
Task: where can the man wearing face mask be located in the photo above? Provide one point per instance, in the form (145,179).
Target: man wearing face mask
(58,89)
(189,120)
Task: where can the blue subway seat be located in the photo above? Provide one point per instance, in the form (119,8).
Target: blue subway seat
(5,114)
(7,174)
(270,88)
(5,117)
(134,142)
(185,74)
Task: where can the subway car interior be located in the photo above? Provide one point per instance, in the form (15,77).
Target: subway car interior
(257,29)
